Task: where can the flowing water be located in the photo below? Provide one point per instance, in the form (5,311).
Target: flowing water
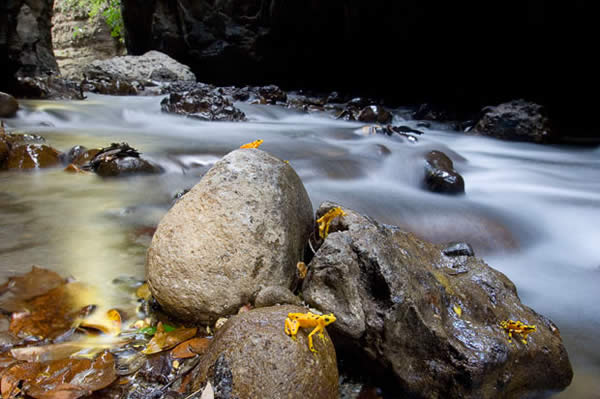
(531,211)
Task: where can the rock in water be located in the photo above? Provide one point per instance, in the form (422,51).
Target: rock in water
(252,357)
(8,105)
(430,320)
(440,176)
(244,225)
(517,120)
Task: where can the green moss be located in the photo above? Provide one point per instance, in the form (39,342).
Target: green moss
(109,9)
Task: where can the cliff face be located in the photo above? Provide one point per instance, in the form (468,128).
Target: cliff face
(79,39)
(412,51)
(25,40)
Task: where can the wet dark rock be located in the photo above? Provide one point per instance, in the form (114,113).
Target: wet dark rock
(374,114)
(50,88)
(204,103)
(8,105)
(517,120)
(272,94)
(74,153)
(431,321)
(4,149)
(25,41)
(440,176)
(31,156)
(275,295)
(255,341)
(458,249)
(114,87)
(119,160)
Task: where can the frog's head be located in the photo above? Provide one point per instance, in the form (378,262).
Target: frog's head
(328,318)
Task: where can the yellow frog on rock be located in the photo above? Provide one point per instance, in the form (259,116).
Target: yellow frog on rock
(517,327)
(296,320)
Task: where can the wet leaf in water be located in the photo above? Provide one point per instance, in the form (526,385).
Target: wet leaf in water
(18,290)
(190,348)
(61,379)
(108,323)
(163,340)
(51,314)
(86,347)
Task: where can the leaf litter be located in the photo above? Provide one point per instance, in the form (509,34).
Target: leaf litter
(62,344)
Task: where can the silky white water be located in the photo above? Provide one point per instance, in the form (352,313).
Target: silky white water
(531,211)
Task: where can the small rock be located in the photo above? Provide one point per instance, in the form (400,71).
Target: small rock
(374,114)
(203,103)
(272,94)
(275,295)
(517,120)
(252,357)
(440,176)
(118,160)
(8,105)
(458,249)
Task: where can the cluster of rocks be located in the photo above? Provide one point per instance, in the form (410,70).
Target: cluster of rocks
(26,151)
(425,318)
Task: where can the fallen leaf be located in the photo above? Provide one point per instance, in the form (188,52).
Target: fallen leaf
(87,346)
(190,348)
(163,340)
(19,289)
(51,314)
(208,392)
(71,378)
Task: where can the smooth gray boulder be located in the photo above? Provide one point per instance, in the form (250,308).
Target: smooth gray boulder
(242,227)
(429,320)
(8,105)
(151,65)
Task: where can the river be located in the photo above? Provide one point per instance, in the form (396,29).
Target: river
(531,211)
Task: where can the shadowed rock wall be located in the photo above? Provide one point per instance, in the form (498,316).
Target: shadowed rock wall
(25,40)
(463,53)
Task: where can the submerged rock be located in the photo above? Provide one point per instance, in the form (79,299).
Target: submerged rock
(374,113)
(252,357)
(517,120)
(440,176)
(243,226)
(430,320)
(8,105)
(205,103)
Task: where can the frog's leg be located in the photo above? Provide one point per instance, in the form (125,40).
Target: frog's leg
(322,326)
(291,327)
(318,328)
(510,331)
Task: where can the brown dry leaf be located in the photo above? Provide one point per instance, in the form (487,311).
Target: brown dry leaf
(61,379)
(51,314)
(165,340)
(19,289)
(190,348)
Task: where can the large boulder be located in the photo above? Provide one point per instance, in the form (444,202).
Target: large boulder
(517,120)
(430,320)
(151,65)
(243,226)
(252,357)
